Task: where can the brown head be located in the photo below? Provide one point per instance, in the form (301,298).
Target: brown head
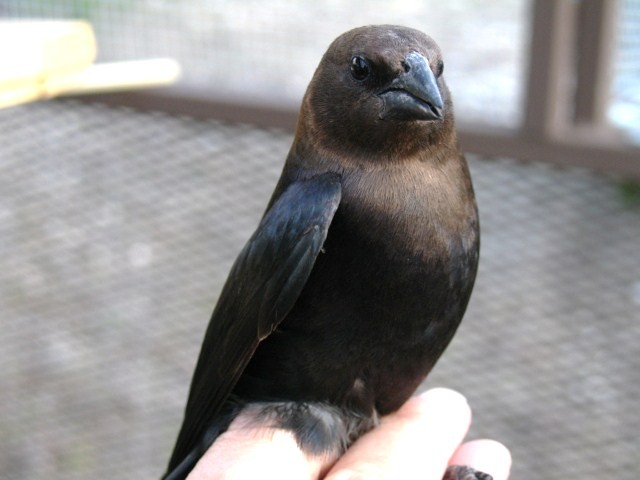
(378,92)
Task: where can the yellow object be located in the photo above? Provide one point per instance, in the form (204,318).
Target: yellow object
(120,76)
(42,59)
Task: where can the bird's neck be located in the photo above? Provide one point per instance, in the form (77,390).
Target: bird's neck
(393,142)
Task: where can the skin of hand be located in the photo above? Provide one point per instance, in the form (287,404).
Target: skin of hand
(418,441)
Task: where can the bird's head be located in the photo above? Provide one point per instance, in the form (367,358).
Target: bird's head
(378,89)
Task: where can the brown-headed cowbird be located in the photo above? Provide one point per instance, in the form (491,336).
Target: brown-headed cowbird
(362,266)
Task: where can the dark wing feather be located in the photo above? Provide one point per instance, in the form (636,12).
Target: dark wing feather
(262,287)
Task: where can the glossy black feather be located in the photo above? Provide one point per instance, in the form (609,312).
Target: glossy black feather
(262,287)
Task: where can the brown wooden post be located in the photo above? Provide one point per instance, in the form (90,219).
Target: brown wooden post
(548,94)
(595,51)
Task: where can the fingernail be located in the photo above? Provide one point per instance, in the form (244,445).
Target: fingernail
(438,402)
(486,456)
(442,395)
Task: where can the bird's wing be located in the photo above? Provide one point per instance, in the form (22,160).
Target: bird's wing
(262,287)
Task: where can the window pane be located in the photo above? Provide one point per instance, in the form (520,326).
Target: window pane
(625,105)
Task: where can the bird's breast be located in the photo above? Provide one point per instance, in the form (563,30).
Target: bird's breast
(399,259)
(384,297)
(410,212)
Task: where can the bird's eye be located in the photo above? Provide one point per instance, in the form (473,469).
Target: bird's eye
(359,67)
(440,68)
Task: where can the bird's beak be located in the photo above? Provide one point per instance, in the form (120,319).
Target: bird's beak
(414,95)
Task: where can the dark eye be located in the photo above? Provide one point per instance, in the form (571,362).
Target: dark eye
(440,68)
(359,67)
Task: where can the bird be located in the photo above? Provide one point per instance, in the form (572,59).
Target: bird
(362,266)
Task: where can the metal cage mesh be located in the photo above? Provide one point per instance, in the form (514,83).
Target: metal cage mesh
(118,229)
(266,52)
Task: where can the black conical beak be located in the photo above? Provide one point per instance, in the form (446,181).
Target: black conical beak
(414,95)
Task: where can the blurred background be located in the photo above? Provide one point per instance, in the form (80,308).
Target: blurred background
(121,214)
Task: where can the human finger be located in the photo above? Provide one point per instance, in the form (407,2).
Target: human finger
(486,456)
(414,442)
(246,451)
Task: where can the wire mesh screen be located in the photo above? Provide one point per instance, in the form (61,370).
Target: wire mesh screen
(118,228)
(267,51)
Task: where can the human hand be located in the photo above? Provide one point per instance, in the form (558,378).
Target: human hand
(418,441)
